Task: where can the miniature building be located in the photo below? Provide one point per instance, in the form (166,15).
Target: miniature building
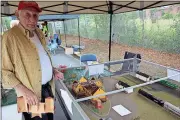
(99,83)
(142,76)
(47,107)
(100,91)
(82,80)
(77,88)
(121,85)
(89,88)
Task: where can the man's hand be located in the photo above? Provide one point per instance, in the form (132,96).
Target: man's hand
(30,97)
(58,75)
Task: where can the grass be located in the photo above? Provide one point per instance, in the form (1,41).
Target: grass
(104,111)
(91,117)
(167,97)
(99,114)
(160,94)
(147,109)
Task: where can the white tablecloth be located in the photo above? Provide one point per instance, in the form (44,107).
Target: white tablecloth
(10,113)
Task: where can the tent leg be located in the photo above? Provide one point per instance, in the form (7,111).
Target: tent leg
(79,36)
(110,29)
(110,34)
(65,33)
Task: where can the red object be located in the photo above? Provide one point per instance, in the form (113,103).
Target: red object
(63,67)
(98,104)
(26,4)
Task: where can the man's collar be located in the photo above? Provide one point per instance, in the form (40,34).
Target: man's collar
(25,31)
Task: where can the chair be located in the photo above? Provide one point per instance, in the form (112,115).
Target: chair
(87,57)
(128,65)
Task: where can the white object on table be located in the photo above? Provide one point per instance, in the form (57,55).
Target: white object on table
(10,112)
(96,69)
(129,91)
(69,51)
(89,62)
(121,110)
(67,100)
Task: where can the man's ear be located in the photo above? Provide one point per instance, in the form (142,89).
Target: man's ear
(17,14)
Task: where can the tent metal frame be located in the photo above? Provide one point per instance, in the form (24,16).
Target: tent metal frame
(109,3)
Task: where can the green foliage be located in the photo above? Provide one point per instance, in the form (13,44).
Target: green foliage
(6,22)
(167,16)
(135,29)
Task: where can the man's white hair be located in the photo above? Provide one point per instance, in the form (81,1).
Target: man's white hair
(14,23)
(19,12)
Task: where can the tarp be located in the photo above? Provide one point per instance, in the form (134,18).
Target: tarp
(89,7)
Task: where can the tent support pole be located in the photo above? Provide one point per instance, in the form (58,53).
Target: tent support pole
(110,34)
(79,36)
(64,33)
(60,34)
(110,28)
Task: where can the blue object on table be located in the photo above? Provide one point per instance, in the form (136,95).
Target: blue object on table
(75,49)
(78,47)
(88,57)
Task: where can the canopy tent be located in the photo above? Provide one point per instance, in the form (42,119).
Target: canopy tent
(90,7)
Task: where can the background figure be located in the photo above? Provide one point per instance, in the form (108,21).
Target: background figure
(45,28)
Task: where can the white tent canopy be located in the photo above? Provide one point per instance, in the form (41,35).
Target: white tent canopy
(88,7)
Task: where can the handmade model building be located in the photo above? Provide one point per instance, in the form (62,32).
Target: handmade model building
(82,80)
(121,85)
(142,76)
(85,88)
(22,105)
(47,107)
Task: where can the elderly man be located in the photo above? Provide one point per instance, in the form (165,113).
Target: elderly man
(26,64)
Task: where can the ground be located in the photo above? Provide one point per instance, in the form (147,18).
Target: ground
(100,48)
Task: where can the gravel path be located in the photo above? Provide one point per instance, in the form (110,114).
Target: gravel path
(100,48)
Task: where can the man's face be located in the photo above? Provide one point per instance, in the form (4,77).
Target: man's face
(28,18)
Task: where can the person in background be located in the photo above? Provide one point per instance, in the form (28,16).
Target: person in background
(45,28)
(41,27)
(26,63)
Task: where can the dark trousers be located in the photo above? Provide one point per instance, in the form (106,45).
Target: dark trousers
(46,92)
